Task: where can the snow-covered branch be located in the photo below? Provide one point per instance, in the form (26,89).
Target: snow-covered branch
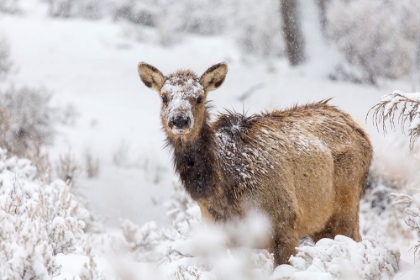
(409,111)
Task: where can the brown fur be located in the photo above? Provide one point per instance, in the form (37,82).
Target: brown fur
(305,167)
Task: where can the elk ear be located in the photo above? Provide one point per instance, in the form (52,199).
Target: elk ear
(150,76)
(214,76)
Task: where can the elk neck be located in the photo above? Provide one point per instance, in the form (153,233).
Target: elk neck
(197,163)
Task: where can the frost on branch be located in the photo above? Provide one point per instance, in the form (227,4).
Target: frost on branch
(409,106)
(342,258)
(37,221)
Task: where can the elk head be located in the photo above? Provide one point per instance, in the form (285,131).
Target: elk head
(183,96)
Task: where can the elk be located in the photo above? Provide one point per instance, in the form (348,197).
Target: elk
(304,167)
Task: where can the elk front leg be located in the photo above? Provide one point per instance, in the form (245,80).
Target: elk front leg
(284,246)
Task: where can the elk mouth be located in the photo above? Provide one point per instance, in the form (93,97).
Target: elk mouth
(180,131)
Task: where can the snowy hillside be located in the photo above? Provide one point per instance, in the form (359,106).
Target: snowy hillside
(123,214)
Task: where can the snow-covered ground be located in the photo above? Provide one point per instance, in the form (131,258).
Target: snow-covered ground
(93,66)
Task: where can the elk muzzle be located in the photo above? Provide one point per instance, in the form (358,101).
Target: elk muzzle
(181,122)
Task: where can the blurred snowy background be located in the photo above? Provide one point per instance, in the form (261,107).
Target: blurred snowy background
(87,190)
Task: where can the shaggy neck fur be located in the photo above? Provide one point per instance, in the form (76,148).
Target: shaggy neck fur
(197,163)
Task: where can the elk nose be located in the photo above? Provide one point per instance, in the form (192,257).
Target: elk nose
(180,122)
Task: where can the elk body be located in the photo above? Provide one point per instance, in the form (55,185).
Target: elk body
(305,167)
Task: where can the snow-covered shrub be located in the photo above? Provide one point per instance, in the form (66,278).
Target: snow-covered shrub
(198,254)
(378,36)
(409,106)
(9,6)
(90,269)
(67,115)
(191,16)
(182,210)
(38,221)
(92,166)
(67,168)
(60,8)
(5,60)
(90,9)
(412,212)
(193,250)
(257,28)
(377,214)
(149,242)
(26,121)
(342,258)
(196,17)
(138,12)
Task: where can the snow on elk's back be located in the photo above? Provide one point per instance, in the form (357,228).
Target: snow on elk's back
(252,145)
(181,87)
(240,155)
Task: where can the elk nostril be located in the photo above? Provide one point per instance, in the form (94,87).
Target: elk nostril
(180,122)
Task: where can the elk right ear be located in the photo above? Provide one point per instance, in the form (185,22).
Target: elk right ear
(150,76)
(214,76)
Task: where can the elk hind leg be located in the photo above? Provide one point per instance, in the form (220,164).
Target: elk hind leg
(340,224)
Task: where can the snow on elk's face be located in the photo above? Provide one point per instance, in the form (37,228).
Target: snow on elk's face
(183,96)
(182,102)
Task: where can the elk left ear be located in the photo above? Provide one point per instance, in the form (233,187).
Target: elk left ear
(151,76)
(214,77)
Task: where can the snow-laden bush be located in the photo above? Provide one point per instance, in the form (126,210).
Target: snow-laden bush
(378,36)
(89,9)
(67,168)
(38,221)
(138,12)
(9,6)
(378,215)
(193,250)
(412,212)
(390,172)
(342,258)
(172,19)
(257,28)
(26,121)
(191,15)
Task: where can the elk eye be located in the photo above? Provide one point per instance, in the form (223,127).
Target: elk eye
(199,99)
(164,99)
